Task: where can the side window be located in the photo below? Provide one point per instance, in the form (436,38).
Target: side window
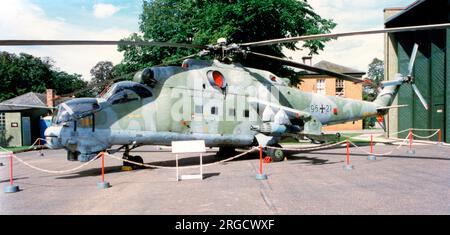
(141,91)
(125,96)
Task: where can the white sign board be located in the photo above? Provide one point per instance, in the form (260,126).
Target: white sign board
(191,146)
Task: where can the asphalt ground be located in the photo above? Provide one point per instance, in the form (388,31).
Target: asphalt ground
(307,183)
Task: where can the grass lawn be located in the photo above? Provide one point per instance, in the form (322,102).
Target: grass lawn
(16,149)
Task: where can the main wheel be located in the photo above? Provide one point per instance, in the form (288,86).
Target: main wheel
(225,152)
(276,154)
(137,159)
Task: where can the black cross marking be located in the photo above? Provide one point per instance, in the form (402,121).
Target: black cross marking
(322,108)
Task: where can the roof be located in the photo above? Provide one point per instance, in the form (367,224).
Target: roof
(404,10)
(30,98)
(336,68)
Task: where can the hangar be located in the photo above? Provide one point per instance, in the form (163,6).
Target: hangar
(431,71)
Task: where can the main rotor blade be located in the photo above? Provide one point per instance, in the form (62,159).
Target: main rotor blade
(422,100)
(337,35)
(93,43)
(27,106)
(413,59)
(309,68)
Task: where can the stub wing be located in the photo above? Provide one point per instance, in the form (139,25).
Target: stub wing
(290,112)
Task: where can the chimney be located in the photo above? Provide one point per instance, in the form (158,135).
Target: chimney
(307,59)
(50,97)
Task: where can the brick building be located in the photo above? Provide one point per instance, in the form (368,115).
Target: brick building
(324,84)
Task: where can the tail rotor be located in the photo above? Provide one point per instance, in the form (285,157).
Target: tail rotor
(409,78)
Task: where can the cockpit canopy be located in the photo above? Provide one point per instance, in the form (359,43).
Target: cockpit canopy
(75,109)
(126,91)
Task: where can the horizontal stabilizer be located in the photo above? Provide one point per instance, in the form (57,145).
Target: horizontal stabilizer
(392,107)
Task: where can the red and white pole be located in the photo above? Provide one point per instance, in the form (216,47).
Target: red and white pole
(11,170)
(11,188)
(371,155)
(411,150)
(347,165)
(260,160)
(440,137)
(260,175)
(371,143)
(103,184)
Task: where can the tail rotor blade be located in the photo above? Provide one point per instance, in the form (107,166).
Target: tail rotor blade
(413,59)
(416,90)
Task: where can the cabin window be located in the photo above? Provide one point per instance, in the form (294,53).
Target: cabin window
(213,110)
(246,113)
(2,122)
(339,87)
(232,112)
(321,87)
(127,91)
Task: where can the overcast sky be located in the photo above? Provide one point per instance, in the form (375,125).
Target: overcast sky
(116,19)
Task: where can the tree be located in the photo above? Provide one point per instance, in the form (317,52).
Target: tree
(23,73)
(202,22)
(376,75)
(101,72)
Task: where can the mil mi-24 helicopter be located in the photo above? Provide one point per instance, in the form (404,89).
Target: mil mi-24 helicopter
(223,103)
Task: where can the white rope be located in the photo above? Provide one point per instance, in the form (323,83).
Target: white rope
(184,167)
(380,154)
(56,172)
(309,148)
(426,137)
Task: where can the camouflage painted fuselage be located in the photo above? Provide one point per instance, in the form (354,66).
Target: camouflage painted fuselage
(186,104)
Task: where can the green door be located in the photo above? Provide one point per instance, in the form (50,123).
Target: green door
(438,119)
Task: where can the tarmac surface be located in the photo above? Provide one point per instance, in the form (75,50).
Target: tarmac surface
(307,183)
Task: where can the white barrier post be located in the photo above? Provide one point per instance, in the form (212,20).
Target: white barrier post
(194,146)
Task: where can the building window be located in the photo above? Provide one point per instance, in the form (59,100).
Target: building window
(339,87)
(2,122)
(321,87)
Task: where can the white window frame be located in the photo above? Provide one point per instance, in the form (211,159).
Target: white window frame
(340,84)
(2,122)
(321,87)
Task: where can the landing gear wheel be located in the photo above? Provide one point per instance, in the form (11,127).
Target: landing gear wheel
(276,154)
(225,152)
(137,159)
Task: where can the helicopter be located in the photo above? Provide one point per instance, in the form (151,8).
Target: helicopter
(223,103)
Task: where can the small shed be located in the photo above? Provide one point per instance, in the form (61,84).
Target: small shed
(19,124)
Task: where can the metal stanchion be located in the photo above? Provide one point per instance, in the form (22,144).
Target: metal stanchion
(371,156)
(440,138)
(261,176)
(411,151)
(103,184)
(11,188)
(347,165)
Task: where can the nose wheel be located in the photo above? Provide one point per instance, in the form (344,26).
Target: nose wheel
(134,159)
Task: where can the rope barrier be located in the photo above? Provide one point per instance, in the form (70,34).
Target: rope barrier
(184,167)
(405,141)
(426,137)
(55,172)
(30,147)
